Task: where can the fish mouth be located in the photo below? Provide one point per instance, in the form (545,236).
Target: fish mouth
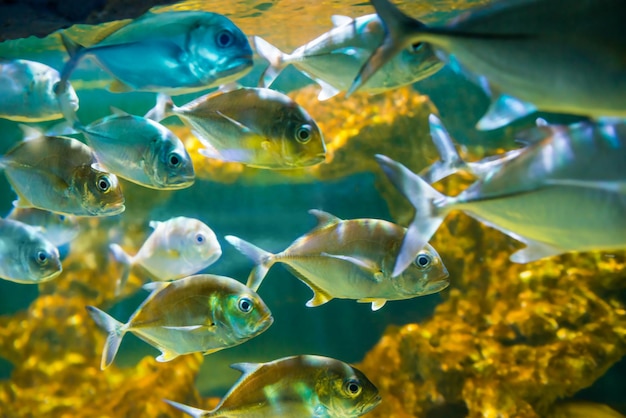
(179,183)
(437,286)
(371,404)
(266,322)
(51,275)
(111,210)
(242,66)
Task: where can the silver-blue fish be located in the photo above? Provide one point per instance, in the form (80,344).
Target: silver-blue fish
(27,89)
(175,52)
(564,193)
(548,55)
(58,229)
(334,58)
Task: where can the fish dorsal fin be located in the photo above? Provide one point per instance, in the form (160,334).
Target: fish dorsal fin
(504,110)
(117,86)
(228,87)
(154,224)
(341,20)
(30,132)
(245,368)
(324,218)
(152,286)
(118,112)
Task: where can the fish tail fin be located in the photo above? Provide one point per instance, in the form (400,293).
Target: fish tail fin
(400,31)
(163,108)
(430,210)
(190,410)
(126,262)
(271,54)
(263,260)
(76,52)
(116,332)
(450,162)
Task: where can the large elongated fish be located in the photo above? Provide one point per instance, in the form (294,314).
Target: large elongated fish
(202,313)
(61,175)
(28,92)
(564,193)
(351,259)
(257,127)
(295,387)
(549,55)
(26,256)
(176,52)
(334,58)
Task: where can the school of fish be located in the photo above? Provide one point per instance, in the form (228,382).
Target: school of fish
(563,191)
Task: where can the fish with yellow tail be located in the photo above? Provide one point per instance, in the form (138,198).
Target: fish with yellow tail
(176,52)
(61,175)
(257,127)
(202,313)
(564,193)
(294,387)
(526,52)
(351,259)
(177,248)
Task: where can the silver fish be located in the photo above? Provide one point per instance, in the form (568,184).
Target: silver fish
(26,256)
(56,228)
(564,193)
(176,248)
(538,45)
(257,127)
(202,313)
(139,150)
(61,175)
(294,387)
(334,58)
(351,259)
(176,52)
(28,93)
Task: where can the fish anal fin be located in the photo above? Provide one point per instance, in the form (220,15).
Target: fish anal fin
(376,303)
(327,90)
(211,351)
(535,250)
(117,86)
(166,355)
(324,218)
(319,298)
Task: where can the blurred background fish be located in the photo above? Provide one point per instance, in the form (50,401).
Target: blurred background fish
(26,256)
(351,259)
(202,313)
(295,387)
(176,248)
(334,58)
(28,92)
(58,229)
(257,127)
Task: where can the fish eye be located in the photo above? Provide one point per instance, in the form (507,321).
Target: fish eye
(303,134)
(423,261)
(174,160)
(417,47)
(103,183)
(42,258)
(244,304)
(352,387)
(224,38)
(200,238)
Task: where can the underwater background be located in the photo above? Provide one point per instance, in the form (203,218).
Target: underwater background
(503,339)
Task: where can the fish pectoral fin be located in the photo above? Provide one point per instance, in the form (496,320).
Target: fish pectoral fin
(186,328)
(117,86)
(242,128)
(504,110)
(376,303)
(535,250)
(364,263)
(166,355)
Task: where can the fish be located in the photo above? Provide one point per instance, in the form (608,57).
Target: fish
(61,175)
(334,58)
(538,45)
(28,91)
(565,193)
(257,127)
(294,387)
(202,313)
(26,256)
(179,52)
(139,150)
(56,228)
(177,248)
(583,409)
(350,259)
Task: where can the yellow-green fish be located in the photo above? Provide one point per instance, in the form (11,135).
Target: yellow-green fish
(28,93)
(547,55)
(26,256)
(202,313)
(294,387)
(176,51)
(176,248)
(351,259)
(257,127)
(61,175)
